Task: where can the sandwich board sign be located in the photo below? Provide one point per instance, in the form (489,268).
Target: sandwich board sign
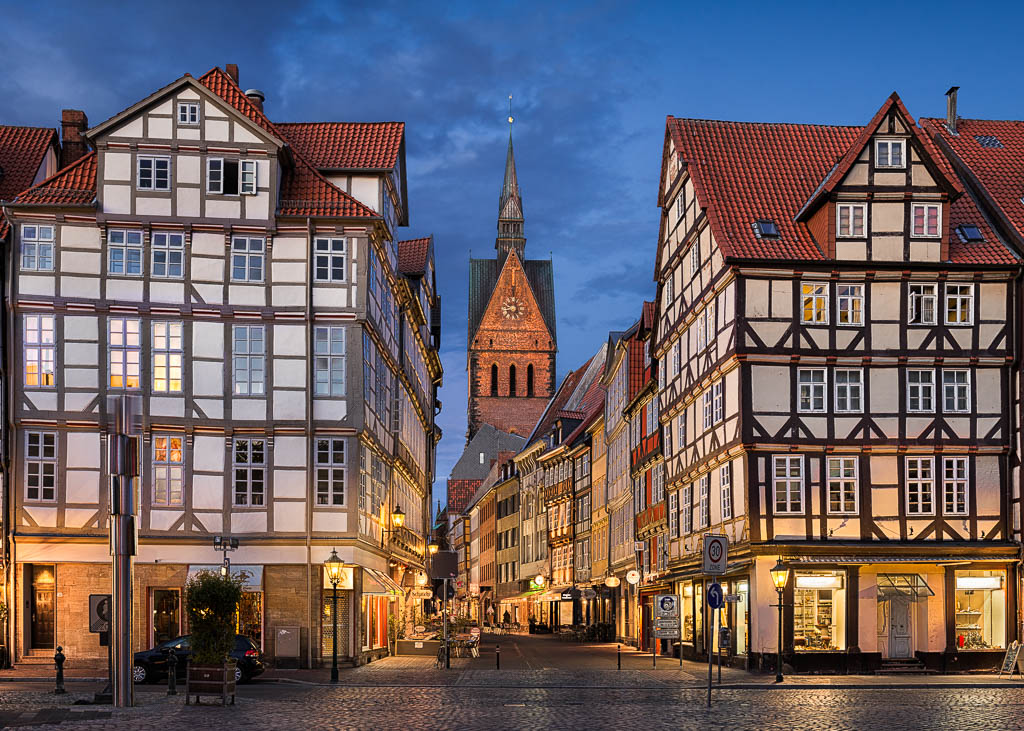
(716,553)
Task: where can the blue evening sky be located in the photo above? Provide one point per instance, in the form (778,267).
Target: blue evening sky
(592,84)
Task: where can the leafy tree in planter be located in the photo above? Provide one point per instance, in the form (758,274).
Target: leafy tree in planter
(211,602)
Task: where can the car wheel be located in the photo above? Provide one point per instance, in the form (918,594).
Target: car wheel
(239,675)
(140,674)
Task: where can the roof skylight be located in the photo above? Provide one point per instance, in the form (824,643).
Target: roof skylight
(765,228)
(989,141)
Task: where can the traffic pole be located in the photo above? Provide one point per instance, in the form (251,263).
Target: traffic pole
(710,624)
(618,656)
(719,647)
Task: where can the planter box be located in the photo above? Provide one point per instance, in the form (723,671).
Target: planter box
(215,680)
(418,647)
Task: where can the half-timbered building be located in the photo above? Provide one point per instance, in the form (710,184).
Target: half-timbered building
(836,323)
(243,279)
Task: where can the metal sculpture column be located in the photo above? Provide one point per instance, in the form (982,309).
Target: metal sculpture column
(124,468)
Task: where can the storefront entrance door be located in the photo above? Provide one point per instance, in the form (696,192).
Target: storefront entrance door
(166,615)
(43,614)
(899,627)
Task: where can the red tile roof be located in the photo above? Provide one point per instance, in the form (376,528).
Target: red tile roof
(1000,170)
(74,185)
(305,192)
(745,171)
(218,81)
(346,145)
(412,255)
(636,366)
(22,151)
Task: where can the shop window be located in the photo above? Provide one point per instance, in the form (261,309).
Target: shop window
(250,616)
(980,610)
(819,612)
(742,617)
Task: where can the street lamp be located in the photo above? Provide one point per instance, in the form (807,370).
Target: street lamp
(780,575)
(397,520)
(225,544)
(433,547)
(333,567)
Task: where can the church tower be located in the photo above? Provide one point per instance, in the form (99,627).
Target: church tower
(512,344)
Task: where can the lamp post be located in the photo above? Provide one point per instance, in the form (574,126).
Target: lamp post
(780,575)
(225,544)
(397,520)
(333,567)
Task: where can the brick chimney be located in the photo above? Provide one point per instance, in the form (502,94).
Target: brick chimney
(232,70)
(73,123)
(951,108)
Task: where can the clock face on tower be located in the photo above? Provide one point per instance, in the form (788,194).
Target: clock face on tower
(512,308)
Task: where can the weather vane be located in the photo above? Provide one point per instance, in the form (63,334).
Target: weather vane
(511,119)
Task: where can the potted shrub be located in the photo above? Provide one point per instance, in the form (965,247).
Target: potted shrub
(211,603)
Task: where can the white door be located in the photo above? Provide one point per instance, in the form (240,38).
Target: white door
(899,627)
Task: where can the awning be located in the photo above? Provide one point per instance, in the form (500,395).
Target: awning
(553,594)
(377,582)
(253,573)
(863,560)
(912,586)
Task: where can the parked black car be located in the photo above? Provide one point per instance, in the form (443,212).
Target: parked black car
(151,665)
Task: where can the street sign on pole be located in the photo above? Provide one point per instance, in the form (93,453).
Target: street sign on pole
(666,606)
(716,553)
(716,599)
(732,598)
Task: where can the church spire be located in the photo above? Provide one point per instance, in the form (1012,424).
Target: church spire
(510,205)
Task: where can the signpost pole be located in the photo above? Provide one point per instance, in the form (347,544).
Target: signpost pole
(447,659)
(680,637)
(719,653)
(710,627)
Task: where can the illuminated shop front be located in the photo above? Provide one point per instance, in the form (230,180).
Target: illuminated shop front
(819,611)
(980,610)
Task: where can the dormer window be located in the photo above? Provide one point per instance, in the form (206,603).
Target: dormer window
(926,220)
(970,233)
(890,153)
(765,228)
(188,113)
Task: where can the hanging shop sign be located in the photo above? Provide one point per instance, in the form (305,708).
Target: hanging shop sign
(633,577)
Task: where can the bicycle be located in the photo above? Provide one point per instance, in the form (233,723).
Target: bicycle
(441,661)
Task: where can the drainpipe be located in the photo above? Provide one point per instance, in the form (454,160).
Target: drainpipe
(6,547)
(310,443)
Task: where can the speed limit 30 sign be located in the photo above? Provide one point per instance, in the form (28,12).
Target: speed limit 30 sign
(716,553)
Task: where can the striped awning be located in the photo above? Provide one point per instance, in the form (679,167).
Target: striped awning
(377,582)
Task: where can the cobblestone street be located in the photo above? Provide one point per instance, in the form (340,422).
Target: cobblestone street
(543,683)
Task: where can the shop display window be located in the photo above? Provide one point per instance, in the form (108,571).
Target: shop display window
(250,616)
(819,612)
(688,626)
(742,617)
(980,610)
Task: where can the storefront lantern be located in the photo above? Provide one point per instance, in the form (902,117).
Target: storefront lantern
(780,574)
(398,517)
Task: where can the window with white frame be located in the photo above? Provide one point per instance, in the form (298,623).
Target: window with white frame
(842,484)
(811,384)
(956,391)
(704,501)
(666,431)
(673,515)
(248,181)
(188,113)
(686,510)
(168,357)
(657,483)
(850,310)
(676,353)
(681,429)
(954,485)
(702,332)
(168,254)
(850,219)
(670,288)
(37,248)
(154,173)
(710,330)
(222,176)
(41,466)
(926,220)
(849,385)
(124,352)
(168,470)
(725,483)
(959,304)
(890,153)
(921,391)
(788,483)
(814,298)
(124,252)
(40,351)
(329,361)
(330,471)
(249,463)
(709,411)
(920,486)
(249,352)
(718,391)
(680,204)
(329,260)
(922,307)
(694,258)
(247,258)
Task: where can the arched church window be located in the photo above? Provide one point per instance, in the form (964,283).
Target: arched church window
(512,380)
(529,380)
(494,379)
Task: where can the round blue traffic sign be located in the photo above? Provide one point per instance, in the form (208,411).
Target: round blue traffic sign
(716,598)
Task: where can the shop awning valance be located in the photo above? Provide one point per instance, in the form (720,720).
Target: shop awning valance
(377,582)
(912,586)
(864,560)
(253,573)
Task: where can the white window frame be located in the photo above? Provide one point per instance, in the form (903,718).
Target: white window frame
(249,473)
(41,467)
(326,256)
(718,401)
(162,245)
(918,292)
(848,390)
(130,245)
(849,304)
(813,388)
(686,510)
(168,472)
(725,487)
(153,161)
(924,233)
(792,484)
(817,295)
(850,230)
(42,243)
(889,144)
(39,348)
(708,407)
(247,177)
(673,515)
(924,389)
(215,175)
(923,487)
(694,258)
(124,353)
(957,388)
(670,288)
(168,355)
(955,486)
(249,360)
(843,476)
(330,471)
(704,501)
(248,253)
(329,361)
(188,113)
(962,299)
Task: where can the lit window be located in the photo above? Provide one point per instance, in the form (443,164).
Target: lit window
(811,393)
(954,485)
(815,302)
(249,465)
(788,484)
(923,300)
(154,173)
(850,219)
(40,351)
(329,361)
(330,471)
(168,357)
(956,391)
(247,259)
(168,255)
(249,352)
(921,391)
(37,248)
(920,486)
(925,219)
(188,113)
(842,484)
(851,304)
(959,304)
(168,470)
(818,617)
(889,154)
(41,466)
(849,390)
(124,352)
(124,252)
(980,609)
(329,264)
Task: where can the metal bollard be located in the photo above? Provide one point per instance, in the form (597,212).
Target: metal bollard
(497,657)
(618,656)
(58,660)
(172,673)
